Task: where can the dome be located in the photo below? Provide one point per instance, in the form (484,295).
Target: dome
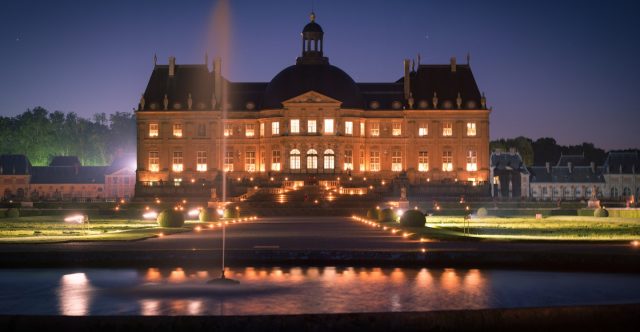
(312,27)
(326,79)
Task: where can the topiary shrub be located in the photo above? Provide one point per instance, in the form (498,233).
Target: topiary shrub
(208,215)
(482,212)
(412,218)
(171,218)
(231,213)
(386,215)
(372,214)
(12,213)
(601,213)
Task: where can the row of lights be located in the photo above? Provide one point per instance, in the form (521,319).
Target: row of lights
(220,224)
(393,231)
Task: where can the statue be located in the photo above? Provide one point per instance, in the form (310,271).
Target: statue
(403,193)
(189,101)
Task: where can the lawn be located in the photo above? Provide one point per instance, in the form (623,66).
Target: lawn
(557,228)
(549,228)
(48,229)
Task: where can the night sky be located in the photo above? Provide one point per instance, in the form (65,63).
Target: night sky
(564,69)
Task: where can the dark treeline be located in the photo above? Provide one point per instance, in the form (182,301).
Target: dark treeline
(41,134)
(546,149)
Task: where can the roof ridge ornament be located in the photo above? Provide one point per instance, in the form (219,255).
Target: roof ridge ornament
(483,101)
(142,102)
(435,100)
(459,100)
(312,16)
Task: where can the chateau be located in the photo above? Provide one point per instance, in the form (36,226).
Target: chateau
(311,121)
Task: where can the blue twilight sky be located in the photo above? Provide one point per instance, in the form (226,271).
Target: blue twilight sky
(565,69)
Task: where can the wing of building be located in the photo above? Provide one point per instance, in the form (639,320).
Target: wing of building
(311,119)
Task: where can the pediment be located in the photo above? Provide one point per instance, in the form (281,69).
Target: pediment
(312,97)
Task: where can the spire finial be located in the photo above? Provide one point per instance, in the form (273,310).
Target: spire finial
(155,59)
(312,17)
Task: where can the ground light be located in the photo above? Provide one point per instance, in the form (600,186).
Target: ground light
(150,215)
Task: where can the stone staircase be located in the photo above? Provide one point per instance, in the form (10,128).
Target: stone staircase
(309,200)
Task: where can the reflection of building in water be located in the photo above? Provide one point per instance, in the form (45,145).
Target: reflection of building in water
(74,294)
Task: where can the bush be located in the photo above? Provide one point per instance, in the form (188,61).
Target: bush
(482,212)
(386,215)
(231,213)
(208,215)
(624,213)
(12,213)
(171,218)
(601,213)
(412,218)
(372,214)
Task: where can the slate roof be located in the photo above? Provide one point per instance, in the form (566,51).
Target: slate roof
(561,174)
(446,84)
(321,77)
(508,161)
(65,161)
(15,164)
(622,162)
(574,159)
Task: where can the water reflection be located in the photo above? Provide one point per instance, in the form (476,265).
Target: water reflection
(279,290)
(74,294)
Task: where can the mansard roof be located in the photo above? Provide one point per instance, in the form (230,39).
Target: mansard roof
(622,163)
(574,159)
(564,174)
(14,164)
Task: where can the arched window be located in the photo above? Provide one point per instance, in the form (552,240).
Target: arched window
(626,192)
(329,159)
(312,159)
(294,159)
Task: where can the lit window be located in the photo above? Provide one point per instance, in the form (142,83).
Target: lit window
(423,161)
(363,162)
(396,161)
(295,126)
(201,161)
(154,161)
(348,160)
(375,129)
(423,130)
(472,161)
(153,130)
(329,159)
(471,129)
(177,130)
(447,161)
(250,161)
(177,166)
(228,129)
(396,129)
(447,128)
(496,180)
(328,126)
(311,126)
(249,130)
(177,182)
(275,160)
(312,159)
(262,129)
(228,161)
(374,161)
(275,128)
(348,128)
(294,159)
(262,158)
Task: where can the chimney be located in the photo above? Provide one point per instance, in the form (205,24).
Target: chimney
(593,167)
(454,67)
(407,80)
(217,82)
(570,166)
(172,66)
(548,165)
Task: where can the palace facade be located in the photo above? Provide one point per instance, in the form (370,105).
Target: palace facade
(312,119)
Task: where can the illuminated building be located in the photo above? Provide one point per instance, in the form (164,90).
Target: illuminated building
(311,120)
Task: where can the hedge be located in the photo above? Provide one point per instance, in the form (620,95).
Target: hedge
(171,218)
(623,213)
(372,213)
(12,213)
(412,218)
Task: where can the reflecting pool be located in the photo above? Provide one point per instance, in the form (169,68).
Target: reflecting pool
(296,290)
